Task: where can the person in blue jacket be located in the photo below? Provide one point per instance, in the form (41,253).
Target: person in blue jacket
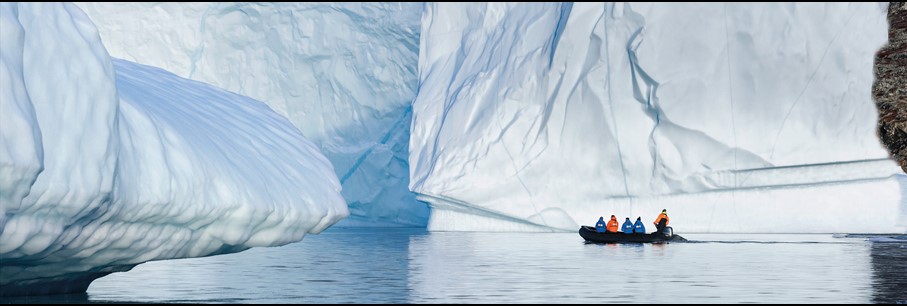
(627,228)
(600,225)
(638,227)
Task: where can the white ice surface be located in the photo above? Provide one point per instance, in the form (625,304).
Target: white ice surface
(343,73)
(737,117)
(107,163)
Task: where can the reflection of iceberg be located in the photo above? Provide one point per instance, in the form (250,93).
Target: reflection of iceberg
(107,164)
(296,273)
(343,73)
(521,268)
(735,117)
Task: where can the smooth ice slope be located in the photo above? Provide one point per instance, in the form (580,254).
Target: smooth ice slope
(107,164)
(343,73)
(735,117)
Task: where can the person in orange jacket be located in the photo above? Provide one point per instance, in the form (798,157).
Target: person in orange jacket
(612,225)
(662,221)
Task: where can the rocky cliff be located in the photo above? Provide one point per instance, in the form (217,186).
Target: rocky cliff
(890,86)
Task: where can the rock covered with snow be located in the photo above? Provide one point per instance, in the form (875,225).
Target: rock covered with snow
(107,163)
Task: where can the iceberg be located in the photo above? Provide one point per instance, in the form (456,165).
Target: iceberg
(343,73)
(107,163)
(736,117)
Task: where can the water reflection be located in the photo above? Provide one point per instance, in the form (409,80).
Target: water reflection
(540,268)
(336,266)
(889,270)
(414,266)
(75,298)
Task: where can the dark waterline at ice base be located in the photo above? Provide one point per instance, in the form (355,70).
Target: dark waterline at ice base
(415,266)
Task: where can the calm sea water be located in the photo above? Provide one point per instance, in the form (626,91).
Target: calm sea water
(415,266)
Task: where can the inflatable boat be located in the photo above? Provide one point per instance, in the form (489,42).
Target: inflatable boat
(666,235)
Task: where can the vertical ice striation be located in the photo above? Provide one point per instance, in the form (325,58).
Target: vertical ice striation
(735,117)
(343,73)
(107,163)
(22,151)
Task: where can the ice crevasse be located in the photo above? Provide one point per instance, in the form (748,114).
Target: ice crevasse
(106,163)
(734,117)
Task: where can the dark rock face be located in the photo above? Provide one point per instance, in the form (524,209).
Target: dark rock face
(890,86)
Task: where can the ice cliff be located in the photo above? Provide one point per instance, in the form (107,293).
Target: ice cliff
(343,73)
(737,117)
(516,104)
(105,163)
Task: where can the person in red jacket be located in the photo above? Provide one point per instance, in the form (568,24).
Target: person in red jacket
(662,221)
(612,225)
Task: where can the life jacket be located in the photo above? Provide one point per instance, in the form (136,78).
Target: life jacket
(600,225)
(627,228)
(663,216)
(638,227)
(612,225)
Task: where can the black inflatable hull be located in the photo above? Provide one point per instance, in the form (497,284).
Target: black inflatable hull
(589,233)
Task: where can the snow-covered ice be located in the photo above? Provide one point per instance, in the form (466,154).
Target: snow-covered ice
(107,163)
(520,102)
(343,73)
(736,117)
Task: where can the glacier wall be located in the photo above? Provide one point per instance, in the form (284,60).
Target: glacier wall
(343,73)
(735,117)
(107,163)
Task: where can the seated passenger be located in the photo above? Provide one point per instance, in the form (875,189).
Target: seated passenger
(612,225)
(600,225)
(638,228)
(627,228)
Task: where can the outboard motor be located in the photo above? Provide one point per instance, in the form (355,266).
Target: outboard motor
(668,232)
